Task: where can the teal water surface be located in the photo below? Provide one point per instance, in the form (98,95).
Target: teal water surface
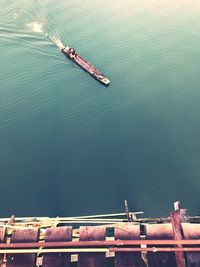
(68,145)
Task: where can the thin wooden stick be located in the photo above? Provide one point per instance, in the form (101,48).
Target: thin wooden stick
(95,250)
(86,220)
(154,249)
(36,219)
(25,218)
(93,219)
(102,215)
(67,222)
(145,220)
(53,250)
(16,227)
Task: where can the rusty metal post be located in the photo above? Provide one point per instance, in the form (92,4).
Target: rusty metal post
(127,211)
(177,235)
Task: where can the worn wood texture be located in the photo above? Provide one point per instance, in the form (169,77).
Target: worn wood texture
(177,235)
(160,259)
(128,259)
(192,231)
(183,213)
(62,234)
(2,240)
(2,235)
(184,216)
(92,233)
(23,260)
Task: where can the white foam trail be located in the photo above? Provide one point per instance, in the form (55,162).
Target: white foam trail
(36,26)
(56,41)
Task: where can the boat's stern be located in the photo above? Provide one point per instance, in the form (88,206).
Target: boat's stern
(66,50)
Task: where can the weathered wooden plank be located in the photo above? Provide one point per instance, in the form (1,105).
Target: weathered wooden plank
(128,259)
(177,235)
(192,231)
(160,232)
(183,213)
(127,210)
(2,240)
(2,234)
(92,233)
(61,234)
(23,260)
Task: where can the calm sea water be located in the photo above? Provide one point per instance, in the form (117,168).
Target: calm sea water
(68,145)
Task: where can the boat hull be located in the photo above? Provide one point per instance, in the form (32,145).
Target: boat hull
(84,64)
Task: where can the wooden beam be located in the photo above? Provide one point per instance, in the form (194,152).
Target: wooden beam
(155,250)
(177,235)
(2,240)
(93,244)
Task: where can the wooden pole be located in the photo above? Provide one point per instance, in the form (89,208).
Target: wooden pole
(71,222)
(155,249)
(36,219)
(176,226)
(127,210)
(96,250)
(53,250)
(96,244)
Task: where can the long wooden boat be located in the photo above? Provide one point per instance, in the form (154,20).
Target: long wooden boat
(84,64)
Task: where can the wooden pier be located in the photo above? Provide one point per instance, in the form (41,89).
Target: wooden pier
(129,242)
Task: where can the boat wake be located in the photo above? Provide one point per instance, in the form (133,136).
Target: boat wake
(35,26)
(38,27)
(56,41)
